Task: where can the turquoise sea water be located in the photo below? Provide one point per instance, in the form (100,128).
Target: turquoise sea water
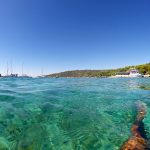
(69,114)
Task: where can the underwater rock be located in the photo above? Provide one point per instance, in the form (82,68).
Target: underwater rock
(50,107)
(32,138)
(47,107)
(3,144)
(145,87)
(26,145)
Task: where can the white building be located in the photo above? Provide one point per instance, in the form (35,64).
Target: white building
(134,73)
(130,73)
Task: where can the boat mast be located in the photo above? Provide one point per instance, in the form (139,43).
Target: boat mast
(7,69)
(22,69)
(11,66)
(42,71)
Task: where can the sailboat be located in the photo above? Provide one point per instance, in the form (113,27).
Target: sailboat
(41,76)
(22,74)
(7,72)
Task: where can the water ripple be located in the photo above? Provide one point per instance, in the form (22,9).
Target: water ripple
(69,114)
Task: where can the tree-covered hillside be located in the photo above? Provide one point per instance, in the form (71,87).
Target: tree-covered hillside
(143,69)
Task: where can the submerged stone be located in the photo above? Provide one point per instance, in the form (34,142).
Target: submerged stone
(26,145)
(3,144)
(145,87)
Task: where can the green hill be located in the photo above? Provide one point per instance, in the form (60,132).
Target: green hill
(143,69)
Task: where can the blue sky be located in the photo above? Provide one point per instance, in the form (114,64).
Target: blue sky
(59,35)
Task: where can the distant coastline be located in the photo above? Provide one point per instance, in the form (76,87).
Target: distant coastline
(144,69)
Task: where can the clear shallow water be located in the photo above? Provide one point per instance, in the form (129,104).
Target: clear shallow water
(69,114)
